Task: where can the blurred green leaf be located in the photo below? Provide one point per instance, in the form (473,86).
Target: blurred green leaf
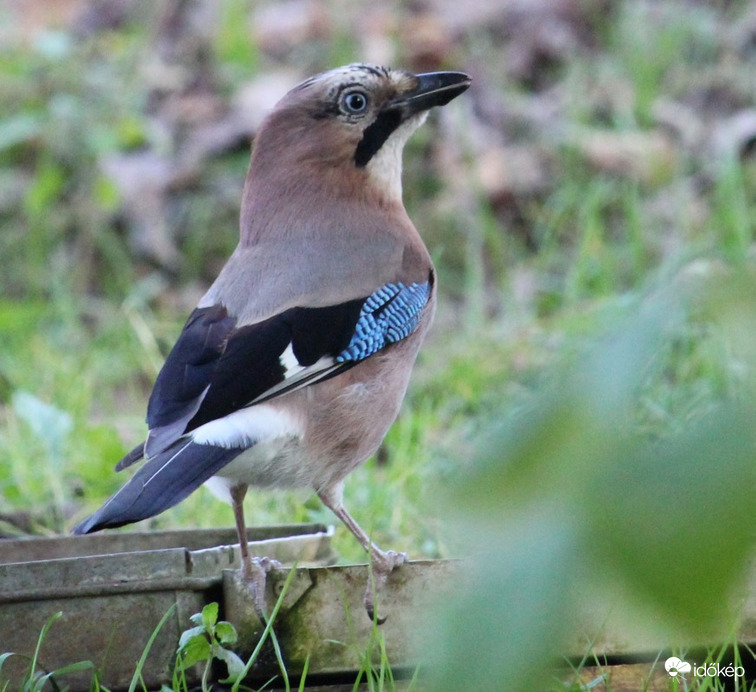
(512,606)
(225,632)
(194,650)
(102,441)
(20,316)
(131,132)
(233,40)
(19,129)
(49,424)
(673,519)
(234,664)
(572,487)
(583,414)
(47,186)
(191,633)
(210,616)
(106,193)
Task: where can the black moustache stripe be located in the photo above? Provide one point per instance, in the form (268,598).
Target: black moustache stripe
(375,136)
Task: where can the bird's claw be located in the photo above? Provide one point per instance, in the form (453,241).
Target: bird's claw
(383,564)
(254,571)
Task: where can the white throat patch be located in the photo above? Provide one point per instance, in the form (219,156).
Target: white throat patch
(385,167)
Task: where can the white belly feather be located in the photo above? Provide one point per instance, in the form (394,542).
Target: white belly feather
(273,455)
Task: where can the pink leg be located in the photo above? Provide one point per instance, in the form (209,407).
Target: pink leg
(254,569)
(382,562)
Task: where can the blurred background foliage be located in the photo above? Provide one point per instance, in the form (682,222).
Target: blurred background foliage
(588,387)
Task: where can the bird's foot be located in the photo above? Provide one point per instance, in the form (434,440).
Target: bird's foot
(382,564)
(254,571)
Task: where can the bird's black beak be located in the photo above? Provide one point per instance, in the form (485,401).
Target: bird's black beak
(432,89)
(424,91)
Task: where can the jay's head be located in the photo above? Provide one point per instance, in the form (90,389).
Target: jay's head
(352,123)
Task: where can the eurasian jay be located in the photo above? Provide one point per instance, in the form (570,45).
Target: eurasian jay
(293,366)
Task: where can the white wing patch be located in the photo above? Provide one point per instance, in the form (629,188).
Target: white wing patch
(295,372)
(289,362)
(247,427)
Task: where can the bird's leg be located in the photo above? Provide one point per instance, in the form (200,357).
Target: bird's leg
(382,562)
(238,492)
(254,570)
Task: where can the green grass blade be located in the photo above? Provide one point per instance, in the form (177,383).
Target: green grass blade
(40,682)
(266,631)
(40,639)
(137,677)
(303,678)
(279,658)
(3,658)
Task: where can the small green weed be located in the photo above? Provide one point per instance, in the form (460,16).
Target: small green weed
(210,639)
(206,641)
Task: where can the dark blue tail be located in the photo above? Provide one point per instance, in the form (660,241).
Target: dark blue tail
(162,482)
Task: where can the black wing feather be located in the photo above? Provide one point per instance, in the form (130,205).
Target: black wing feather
(189,368)
(318,332)
(162,482)
(216,368)
(249,366)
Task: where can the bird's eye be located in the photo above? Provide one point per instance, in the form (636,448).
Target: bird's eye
(354,102)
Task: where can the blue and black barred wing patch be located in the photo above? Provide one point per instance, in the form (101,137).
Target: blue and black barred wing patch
(389,315)
(218,367)
(327,341)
